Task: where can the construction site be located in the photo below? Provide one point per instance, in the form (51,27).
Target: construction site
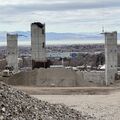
(42,73)
(94,93)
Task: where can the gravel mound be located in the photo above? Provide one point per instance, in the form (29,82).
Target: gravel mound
(17,105)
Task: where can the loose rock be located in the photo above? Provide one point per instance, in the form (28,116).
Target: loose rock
(17,105)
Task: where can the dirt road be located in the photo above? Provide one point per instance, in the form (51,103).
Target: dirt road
(101,102)
(68,90)
(104,107)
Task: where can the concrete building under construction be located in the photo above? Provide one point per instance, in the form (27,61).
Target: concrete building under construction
(60,77)
(12,51)
(110,57)
(38,45)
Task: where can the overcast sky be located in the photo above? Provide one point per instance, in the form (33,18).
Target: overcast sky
(60,15)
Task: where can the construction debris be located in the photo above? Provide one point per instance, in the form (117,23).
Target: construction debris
(17,105)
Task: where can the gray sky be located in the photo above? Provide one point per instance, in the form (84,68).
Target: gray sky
(60,15)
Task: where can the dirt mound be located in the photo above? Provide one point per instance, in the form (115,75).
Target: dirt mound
(17,105)
(57,77)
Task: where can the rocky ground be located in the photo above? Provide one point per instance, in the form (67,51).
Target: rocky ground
(17,105)
(103,107)
(84,103)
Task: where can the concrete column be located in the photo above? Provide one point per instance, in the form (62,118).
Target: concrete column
(38,45)
(110,57)
(12,51)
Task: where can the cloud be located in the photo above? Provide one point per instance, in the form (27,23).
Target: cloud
(67,15)
(64,5)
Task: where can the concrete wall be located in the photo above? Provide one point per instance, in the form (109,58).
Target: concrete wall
(57,77)
(97,77)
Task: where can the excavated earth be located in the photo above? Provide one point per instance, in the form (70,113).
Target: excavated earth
(17,105)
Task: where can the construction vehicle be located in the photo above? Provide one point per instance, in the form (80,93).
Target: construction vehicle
(7,72)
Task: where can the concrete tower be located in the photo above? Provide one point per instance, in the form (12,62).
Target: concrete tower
(110,57)
(12,51)
(38,45)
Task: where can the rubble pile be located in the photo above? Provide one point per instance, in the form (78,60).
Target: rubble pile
(17,105)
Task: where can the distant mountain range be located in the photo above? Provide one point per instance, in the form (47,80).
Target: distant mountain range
(59,37)
(56,36)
